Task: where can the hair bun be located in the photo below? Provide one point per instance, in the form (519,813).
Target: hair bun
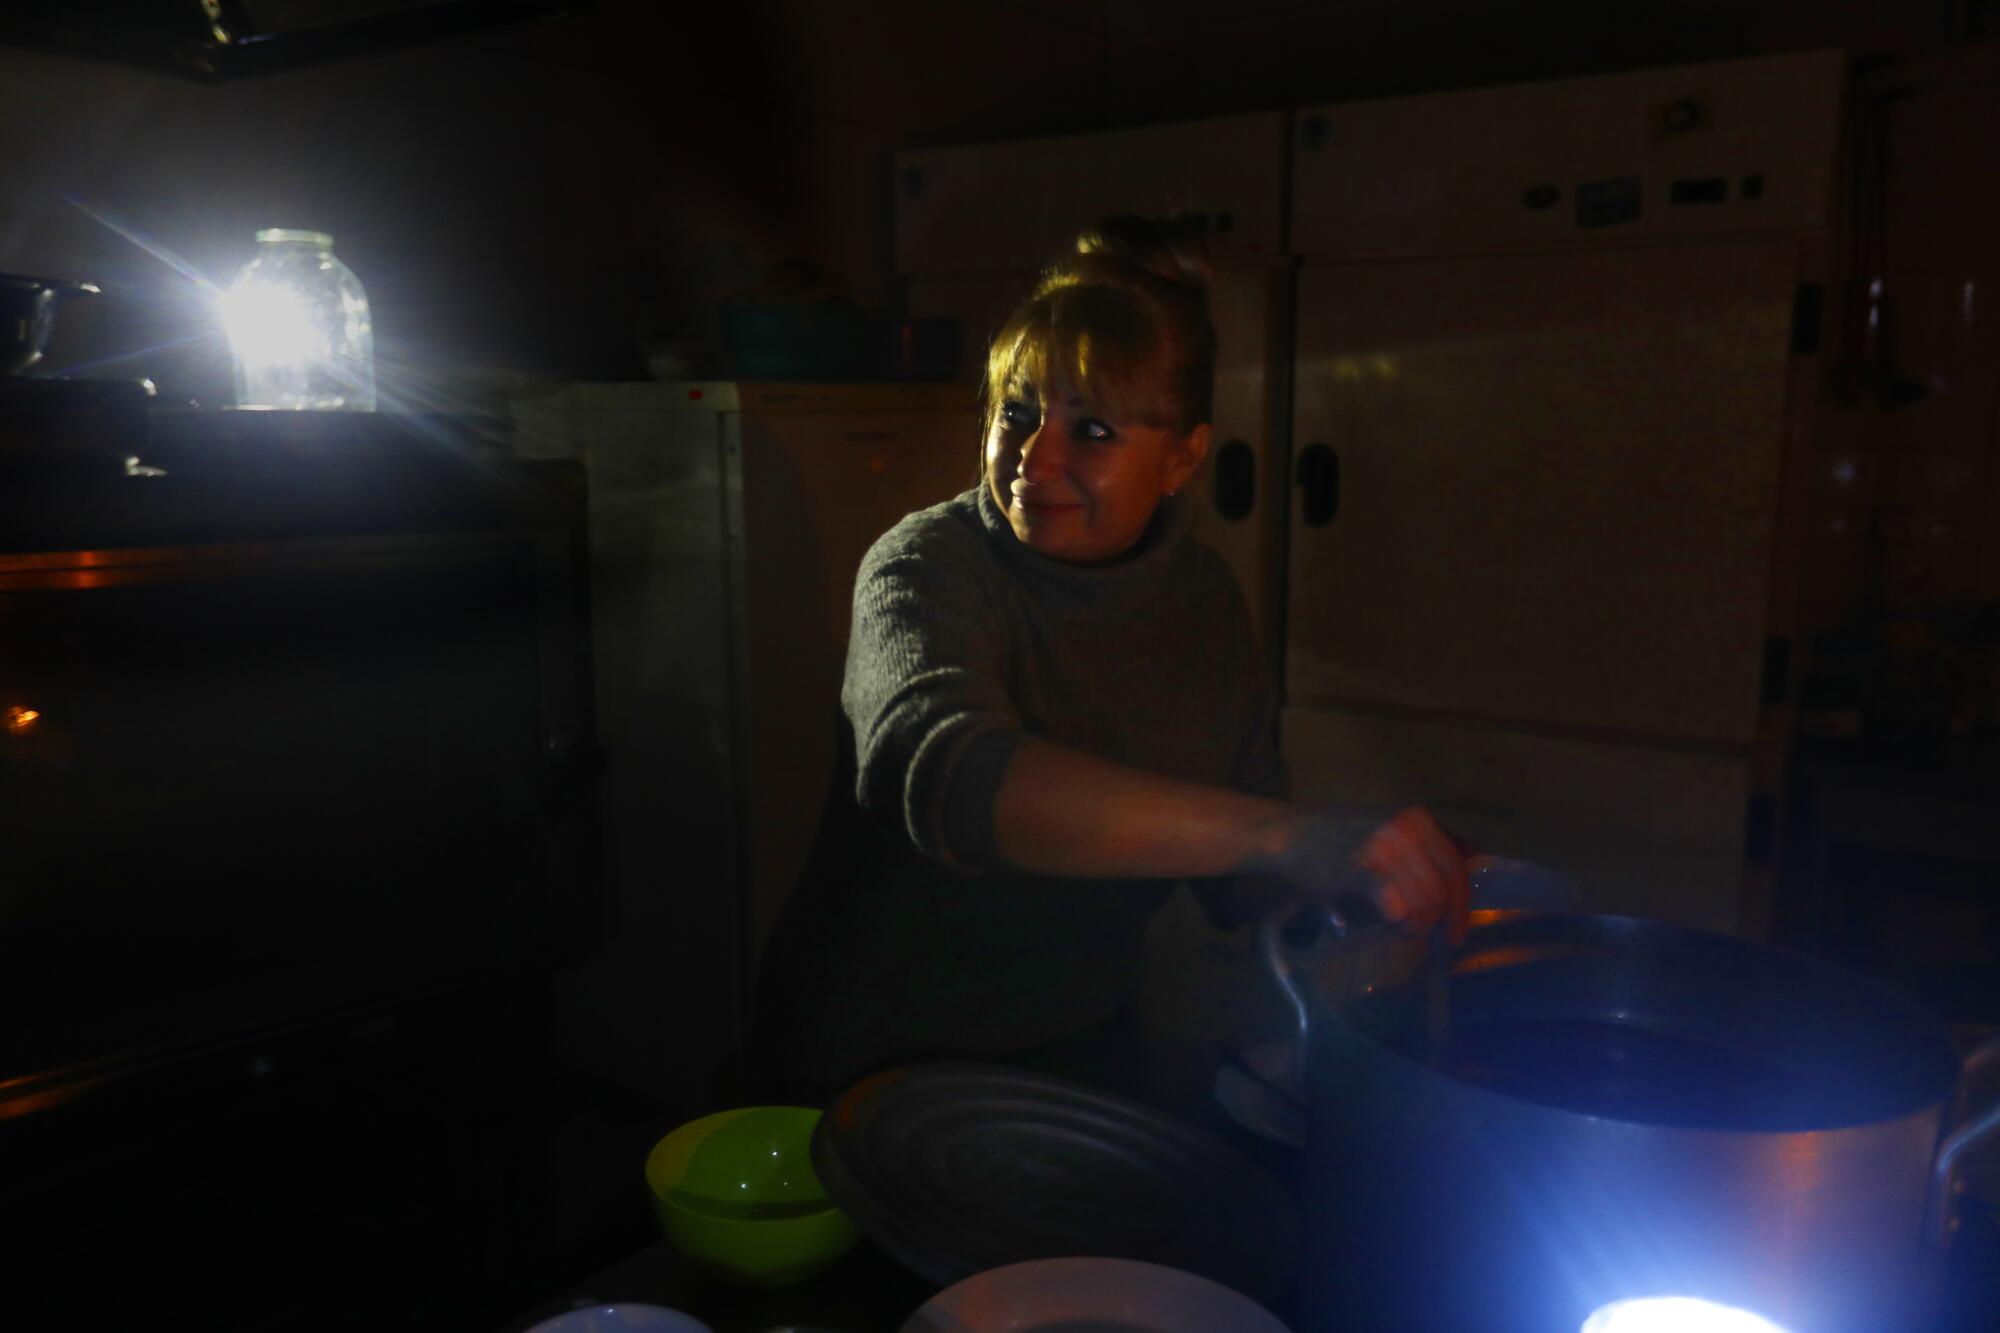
(1174,248)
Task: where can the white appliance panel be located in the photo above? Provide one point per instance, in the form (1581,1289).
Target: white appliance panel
(1644,831)
(1746,145)
(1557,479)
(1014,206)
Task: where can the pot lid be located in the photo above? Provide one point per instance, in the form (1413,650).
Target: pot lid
(956,1169)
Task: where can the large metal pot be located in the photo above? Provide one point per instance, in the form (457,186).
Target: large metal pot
(1623,1108)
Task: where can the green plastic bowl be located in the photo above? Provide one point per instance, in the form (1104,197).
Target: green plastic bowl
(735,1193)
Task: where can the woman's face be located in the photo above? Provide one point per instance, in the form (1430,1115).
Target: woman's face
(1075,483)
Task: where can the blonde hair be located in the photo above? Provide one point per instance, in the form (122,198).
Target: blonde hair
(1127,317)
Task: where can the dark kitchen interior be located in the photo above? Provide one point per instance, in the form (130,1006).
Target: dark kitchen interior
(369,906)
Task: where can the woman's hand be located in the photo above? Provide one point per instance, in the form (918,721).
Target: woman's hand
(1423,877)
(1408,867)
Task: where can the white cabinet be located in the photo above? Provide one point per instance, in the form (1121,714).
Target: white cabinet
(1012,207)
(1549,343)
(1696,150)
(1554,485)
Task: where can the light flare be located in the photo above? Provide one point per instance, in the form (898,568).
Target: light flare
(156,249)
(271,325)
(1675,1314)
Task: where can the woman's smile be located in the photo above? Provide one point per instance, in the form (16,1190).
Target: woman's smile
(1077,482)
(1039,505)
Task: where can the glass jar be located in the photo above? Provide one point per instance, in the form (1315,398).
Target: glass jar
(299,332)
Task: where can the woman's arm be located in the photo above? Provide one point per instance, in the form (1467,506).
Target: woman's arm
(1061,811)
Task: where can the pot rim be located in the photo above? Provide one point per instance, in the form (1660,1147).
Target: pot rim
(1888,1005)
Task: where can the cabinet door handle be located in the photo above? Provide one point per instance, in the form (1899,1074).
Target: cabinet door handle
(1235,480)
(1760,832)
(1777,670)
(1319,480)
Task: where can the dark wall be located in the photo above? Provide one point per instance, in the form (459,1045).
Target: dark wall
(554,199)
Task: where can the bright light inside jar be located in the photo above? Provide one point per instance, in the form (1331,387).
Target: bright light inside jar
(299,328)
(272,325)
(1675,1314)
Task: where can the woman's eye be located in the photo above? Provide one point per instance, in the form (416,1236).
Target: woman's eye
(1090,428)
(1017,415)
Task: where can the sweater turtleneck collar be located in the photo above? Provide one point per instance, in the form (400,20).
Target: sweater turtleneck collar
(1120,586)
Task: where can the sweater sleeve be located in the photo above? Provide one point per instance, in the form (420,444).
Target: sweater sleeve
(925,680)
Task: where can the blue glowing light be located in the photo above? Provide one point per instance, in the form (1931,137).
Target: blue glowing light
(1674,1314)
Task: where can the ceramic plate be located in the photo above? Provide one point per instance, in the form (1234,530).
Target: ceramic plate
(1089,1296)
(624,1317)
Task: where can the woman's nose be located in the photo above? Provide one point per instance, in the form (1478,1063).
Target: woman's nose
(1041,456)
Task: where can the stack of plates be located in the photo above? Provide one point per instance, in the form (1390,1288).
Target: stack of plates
(955,1170)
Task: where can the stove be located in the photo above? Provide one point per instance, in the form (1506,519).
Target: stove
(294,741)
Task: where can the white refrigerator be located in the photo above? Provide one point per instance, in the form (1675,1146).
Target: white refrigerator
(726,524)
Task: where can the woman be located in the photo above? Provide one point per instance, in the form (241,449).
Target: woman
(1057,712)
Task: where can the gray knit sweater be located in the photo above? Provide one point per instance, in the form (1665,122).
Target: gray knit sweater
(909,937)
